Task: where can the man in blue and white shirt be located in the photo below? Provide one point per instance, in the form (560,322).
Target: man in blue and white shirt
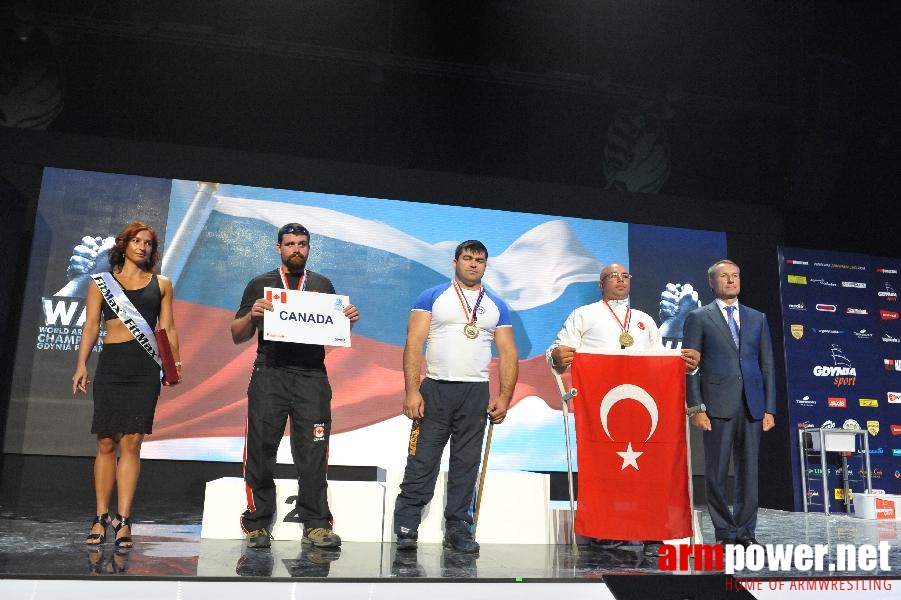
(457,321)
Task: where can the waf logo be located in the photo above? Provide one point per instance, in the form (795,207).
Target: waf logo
(281,297)
(837,402)
(893,397)
(892,364)
(888,293)
(841,370)
(797,331)
(888,315)
(319,432)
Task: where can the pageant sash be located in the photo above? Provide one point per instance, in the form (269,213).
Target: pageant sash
(135,323)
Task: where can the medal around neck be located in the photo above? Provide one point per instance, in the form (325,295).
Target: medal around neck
(625,339)
(471,331)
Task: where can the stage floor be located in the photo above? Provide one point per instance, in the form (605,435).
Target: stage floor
(42,548)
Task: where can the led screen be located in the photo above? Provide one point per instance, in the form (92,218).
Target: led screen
(379,252)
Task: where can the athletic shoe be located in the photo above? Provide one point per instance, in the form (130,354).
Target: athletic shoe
(321,537)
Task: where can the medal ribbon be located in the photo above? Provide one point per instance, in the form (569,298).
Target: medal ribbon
(623,325)
(301,285)
(464,303)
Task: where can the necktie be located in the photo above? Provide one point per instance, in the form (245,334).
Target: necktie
(733,326)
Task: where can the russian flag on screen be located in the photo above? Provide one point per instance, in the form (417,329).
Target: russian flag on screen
(542,273)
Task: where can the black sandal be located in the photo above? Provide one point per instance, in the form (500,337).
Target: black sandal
(99,537)
(125,541)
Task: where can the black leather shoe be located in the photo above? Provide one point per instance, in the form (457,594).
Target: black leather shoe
(652,548)
(407,540)
(751,541)
(458,537)
(727,542)
(602,544)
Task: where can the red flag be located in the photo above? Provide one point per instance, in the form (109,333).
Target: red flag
(630,431)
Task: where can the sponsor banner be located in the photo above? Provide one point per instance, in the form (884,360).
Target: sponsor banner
(842,347)
(797,279)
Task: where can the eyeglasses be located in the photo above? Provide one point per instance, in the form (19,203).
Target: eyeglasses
(615,275)
(295,229)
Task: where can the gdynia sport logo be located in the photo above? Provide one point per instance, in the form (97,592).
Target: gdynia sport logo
(774,558)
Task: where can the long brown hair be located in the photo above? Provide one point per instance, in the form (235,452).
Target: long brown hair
(117,252)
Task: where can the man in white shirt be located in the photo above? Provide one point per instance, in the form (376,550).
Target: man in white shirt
(610,324)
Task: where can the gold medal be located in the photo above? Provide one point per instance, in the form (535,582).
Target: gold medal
(471,331)
(625,339)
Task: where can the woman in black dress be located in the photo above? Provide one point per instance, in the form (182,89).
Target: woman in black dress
(127,379)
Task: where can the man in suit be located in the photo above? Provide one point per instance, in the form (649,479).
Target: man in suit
(735,398)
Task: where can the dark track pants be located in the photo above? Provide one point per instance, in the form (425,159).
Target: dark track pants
(274,395)
(454,411)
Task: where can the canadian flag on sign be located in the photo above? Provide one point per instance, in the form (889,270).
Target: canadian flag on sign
(630,431)
(277,296)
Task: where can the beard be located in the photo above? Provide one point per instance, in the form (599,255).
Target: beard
(296,262)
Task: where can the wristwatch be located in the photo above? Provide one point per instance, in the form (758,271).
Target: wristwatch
(702,408)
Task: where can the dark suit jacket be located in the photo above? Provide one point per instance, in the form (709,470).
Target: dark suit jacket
(728,375)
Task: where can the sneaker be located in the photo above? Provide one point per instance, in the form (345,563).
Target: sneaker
(406,540)
(259,538)
(321,537)
(458,537)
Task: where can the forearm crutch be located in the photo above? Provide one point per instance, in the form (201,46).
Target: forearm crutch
(475,512)
(565,397)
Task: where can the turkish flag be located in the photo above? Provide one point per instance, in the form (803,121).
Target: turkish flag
(630,430)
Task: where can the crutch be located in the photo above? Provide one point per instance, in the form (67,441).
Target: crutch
(565,397)
(475,512)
